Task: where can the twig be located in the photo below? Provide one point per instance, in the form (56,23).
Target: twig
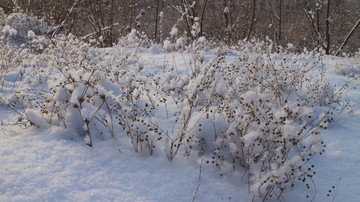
(198,186)
(337,189)
(314,190)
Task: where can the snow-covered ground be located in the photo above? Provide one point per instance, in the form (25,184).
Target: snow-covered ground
(54,164)
(48,166)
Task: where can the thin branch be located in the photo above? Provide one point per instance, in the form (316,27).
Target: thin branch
(347,37)
(103,29)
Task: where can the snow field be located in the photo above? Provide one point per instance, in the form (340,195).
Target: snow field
(198,108)
(49,165)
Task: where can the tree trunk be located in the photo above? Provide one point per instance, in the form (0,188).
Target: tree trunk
(280,21)
(157,18)
(112,22)
(328,19)
(253,19)
(202,18)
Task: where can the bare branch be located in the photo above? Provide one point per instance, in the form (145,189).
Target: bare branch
(347,37)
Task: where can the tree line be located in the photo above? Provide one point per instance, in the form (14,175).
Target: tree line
(330,25)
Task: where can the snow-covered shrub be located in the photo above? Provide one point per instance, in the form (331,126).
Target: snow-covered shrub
(195,28)
(22,24)
(275,108)
(9,32)
(94,92)
(11,70)
(174,32)
(255,46)
(72,100)
(30,35)
(179,45)
(135,40)
(357,54)
(262,113)
(350,70)
(168,46)
(36,44)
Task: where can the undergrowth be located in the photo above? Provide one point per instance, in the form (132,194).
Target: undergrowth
(257,113)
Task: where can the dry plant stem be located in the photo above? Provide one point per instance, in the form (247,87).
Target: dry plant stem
(198,186)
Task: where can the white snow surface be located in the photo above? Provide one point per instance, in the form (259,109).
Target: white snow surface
(48,165)
(54,164)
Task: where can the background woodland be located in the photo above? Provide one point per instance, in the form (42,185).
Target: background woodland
(329,25)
